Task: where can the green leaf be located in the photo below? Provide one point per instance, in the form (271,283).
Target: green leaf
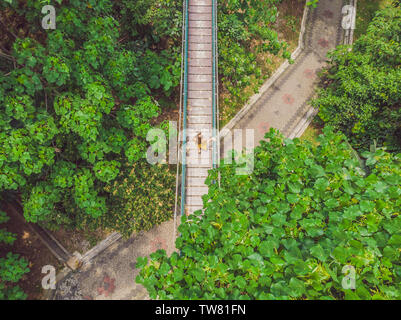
(178,275)
(317,171)
(301,268)
(256,257)
(297,287)
(367,206)
(340,254)
(266,248)
(351,295)
(321,184)
(395,240)
(199,274)
(164,269)
(318,252)
(240,282)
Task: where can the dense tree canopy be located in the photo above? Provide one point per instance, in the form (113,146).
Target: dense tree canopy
(77,103)
(287,230)
(361,94)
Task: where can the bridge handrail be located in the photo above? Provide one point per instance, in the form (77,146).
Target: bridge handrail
(185,106)
(184,101)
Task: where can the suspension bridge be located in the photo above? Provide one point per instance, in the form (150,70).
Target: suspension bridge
(198,123)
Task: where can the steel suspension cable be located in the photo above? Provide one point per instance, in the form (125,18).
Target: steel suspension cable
(214,148)
(216,55)
(179,121)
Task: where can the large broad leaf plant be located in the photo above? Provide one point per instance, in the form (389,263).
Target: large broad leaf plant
(288,230)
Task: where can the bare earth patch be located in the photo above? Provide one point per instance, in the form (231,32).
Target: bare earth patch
(29,246)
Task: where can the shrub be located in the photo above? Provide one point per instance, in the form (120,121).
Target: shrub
(12,267)
(287,230)
(76,104)
(361,94)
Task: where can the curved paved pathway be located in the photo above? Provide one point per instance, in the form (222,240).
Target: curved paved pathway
(111,275)
(285,103)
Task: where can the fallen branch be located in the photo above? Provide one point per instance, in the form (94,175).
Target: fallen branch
(4,55)
(10,33)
